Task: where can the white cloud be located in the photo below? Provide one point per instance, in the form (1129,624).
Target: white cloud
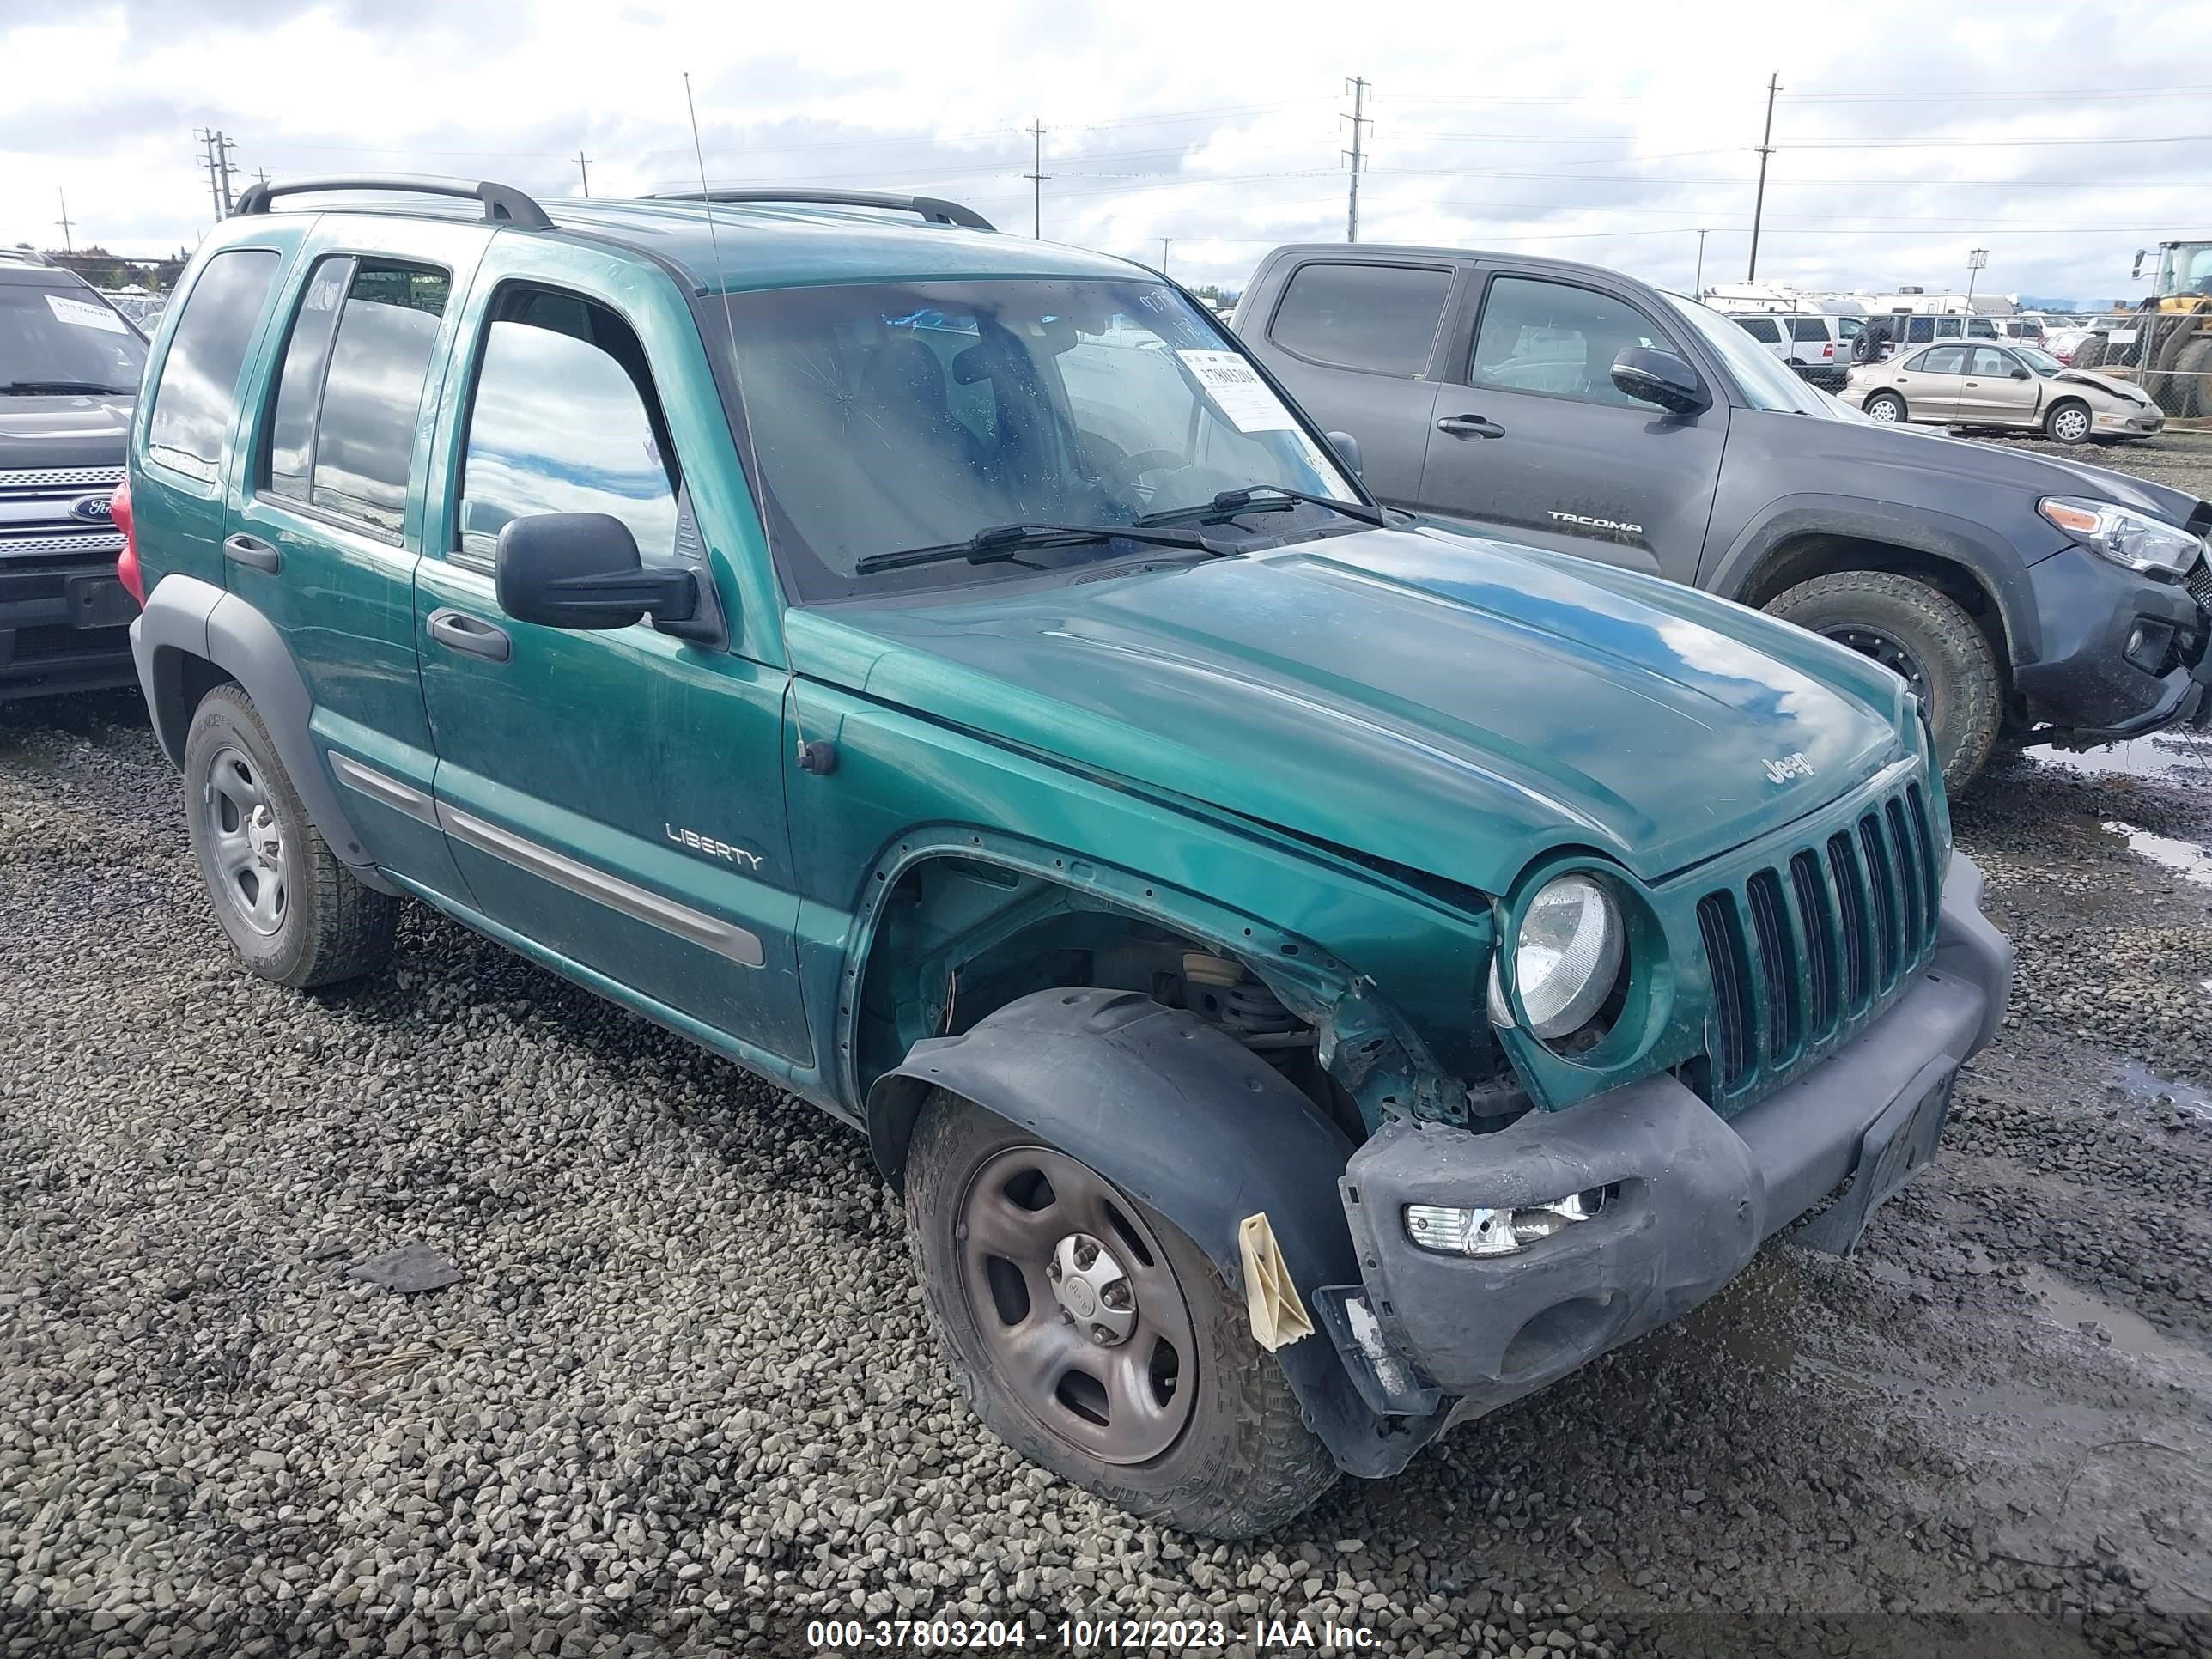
(1606,131)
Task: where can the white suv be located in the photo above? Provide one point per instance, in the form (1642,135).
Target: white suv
(1818,347)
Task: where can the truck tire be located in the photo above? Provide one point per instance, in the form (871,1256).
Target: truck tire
(1886,407)
(293,912)
(2089,353)
(2193,376)
(1924,635)
(2068,421)
(1167,1409)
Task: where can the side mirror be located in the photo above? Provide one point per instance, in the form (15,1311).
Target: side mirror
(581,570)
(1653,376)
(2020,375)
(2138,271)
(1347,451)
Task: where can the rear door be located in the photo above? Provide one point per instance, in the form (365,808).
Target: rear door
(1534,442)
(1988,393)
(328,527)
(1356,343)
(1929,381)
(616,797)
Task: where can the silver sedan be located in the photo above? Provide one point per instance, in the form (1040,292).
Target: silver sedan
(1967,383)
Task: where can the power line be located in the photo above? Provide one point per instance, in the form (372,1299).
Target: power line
(1991,143)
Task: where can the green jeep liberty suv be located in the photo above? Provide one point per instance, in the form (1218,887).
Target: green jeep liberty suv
(1313,979)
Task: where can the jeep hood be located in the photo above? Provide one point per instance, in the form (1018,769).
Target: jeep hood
(1449,704)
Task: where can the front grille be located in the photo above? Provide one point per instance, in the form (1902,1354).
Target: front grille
(89,541)
(2199,579)
(1808,948)
(48,478)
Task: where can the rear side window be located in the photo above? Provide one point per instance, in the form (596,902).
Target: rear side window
(198,397)
(1919,329)
(343,435)
(1760,328)
(1379,318)
(1814,329)
(1980,328)
(563,419)
(1943,360)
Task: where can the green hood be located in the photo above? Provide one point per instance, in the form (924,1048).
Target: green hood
(1450,704)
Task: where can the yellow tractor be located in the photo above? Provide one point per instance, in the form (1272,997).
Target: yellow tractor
(2166,344)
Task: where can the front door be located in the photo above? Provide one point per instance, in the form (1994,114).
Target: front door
(1996,390)
(1532,442)
(615,797)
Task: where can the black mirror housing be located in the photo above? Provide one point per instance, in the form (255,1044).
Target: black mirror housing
(581,570)
(1652,375)
(2020,374)
(1348,450)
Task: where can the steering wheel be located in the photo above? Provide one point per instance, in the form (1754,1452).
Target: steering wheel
(1122,477)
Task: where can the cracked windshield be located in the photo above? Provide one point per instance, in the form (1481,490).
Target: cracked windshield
(888,419)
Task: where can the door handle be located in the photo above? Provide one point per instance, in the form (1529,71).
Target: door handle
(254,552)
(1470,426)
(462,632)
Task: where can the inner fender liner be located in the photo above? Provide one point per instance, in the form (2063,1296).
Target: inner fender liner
(1184,1118)
(187,616)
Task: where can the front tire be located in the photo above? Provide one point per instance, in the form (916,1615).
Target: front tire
(1926,636)
(293,912)
(1886,407)
(1092,1336)
(2068,423)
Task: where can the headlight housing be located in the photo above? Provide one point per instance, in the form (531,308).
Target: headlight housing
(1567,957)
(2122,535)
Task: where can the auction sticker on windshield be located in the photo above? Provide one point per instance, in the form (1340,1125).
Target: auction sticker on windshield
(1237,392)
(78,313)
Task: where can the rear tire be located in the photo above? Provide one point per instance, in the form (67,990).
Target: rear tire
(1886,407)
(1241,1460)
(2068,421)
(2089,353)
(2192,379)
(1924,634)
(293,912)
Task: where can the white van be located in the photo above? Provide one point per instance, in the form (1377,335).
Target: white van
(1818,347)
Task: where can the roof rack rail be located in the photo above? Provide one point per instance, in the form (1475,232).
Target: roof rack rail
(24,256)
(503,203)
(935,208)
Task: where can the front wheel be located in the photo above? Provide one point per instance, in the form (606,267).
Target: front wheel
(1924,635)
(1092,1336)
(1886,407)
(2068,424)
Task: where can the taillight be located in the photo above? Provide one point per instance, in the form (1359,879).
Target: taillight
(1829,350)
(126,561)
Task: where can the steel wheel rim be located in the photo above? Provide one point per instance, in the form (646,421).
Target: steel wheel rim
(2070,423)
(1883,409)
(245,840)
(1117,1384)
(1884,648)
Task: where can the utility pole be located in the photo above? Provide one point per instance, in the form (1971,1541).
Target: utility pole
(1765,150)
(1977,260)
(222,149)
(1698,280)
(1036,175)
(1360,122)
(584,165)
(65,222)
(1166,242)
(207,136)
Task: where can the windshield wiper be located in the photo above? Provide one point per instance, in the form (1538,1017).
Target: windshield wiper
(1264,498)
(60,389)
(999,544)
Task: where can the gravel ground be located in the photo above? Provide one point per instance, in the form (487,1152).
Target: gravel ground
(682,1398)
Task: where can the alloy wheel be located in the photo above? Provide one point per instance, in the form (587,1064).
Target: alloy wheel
(1077,1305)
(244,839)
(2071,425)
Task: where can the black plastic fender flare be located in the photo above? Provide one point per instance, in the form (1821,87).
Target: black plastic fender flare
(1183,1117)
(185,616)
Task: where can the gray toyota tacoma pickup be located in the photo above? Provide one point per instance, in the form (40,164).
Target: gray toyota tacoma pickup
(1574,408)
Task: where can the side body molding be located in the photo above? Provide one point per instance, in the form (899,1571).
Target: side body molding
(1191,1122)
(185,617)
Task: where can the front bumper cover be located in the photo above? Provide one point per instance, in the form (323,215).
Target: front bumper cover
(2084,683)
(1694,1195)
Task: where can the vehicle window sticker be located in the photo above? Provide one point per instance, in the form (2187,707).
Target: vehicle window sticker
(1236,390)
(80,313)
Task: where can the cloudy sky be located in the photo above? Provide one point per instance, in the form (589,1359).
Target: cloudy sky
(2060,136)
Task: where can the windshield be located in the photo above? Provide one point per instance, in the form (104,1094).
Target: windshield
(56,343)
(2185,268)
(1763,380)
(2041,362)
(886,418)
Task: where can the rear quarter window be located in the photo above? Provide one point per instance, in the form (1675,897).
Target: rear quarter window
(197,398)
(1814,329)
(1383,318)
(1761,329)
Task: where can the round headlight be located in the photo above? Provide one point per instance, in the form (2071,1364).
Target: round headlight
(1567,956)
